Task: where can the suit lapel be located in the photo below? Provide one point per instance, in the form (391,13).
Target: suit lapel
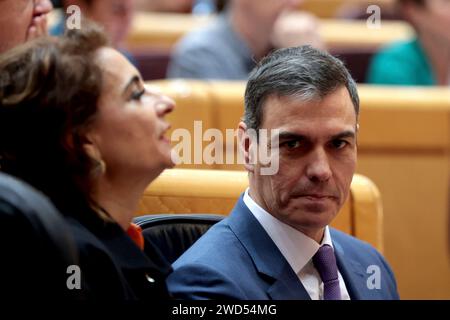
(288,287)
(354,275)
(271,264)
(268,260)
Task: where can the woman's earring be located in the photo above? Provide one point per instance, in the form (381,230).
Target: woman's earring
(100,169)
(102,166)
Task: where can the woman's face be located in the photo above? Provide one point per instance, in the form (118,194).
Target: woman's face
(128,131)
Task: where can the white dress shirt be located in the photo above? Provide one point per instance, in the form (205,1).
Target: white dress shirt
(297,248)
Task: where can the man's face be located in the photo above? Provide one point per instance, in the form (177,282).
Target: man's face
(317,159)
(22,20)
(440,12)
(115,16)
(439,7)
(268,10)
(15,19)
(432,19)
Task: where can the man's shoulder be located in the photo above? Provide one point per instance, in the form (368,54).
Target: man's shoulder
(206,38)
(213,247)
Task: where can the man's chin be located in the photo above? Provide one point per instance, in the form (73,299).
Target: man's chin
(314,222)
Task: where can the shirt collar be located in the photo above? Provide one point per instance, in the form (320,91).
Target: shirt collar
(296,247)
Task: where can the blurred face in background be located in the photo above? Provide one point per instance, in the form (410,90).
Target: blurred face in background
(432,18)
(176,5)
(114,15)
(21,20)
(439,7)
(267,10)
(184,6)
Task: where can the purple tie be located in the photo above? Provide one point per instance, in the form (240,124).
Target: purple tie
(325,263)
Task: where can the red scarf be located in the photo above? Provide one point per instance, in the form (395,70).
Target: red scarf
(135,233)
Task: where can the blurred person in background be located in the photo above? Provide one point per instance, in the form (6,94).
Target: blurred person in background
(22,20)
(174,6)
(78,124)
(115,16)
(424,60)
(248,29)
(181,6)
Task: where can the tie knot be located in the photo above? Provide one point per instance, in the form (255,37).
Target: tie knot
(325,263)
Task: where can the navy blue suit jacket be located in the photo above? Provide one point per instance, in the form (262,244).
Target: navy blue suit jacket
(236,259)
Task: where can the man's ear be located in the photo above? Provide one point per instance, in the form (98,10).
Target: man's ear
(246,146)
(357,134)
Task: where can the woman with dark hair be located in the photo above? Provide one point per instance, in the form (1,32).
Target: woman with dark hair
(423,60)
(77,123)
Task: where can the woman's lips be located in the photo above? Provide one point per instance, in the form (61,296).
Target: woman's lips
(163,134)
(165,139)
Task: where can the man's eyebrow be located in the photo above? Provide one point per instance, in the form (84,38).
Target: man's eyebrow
(286,135)
(283,136)
(345,134)
(134,80)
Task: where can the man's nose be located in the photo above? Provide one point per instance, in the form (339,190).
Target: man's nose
(318,168)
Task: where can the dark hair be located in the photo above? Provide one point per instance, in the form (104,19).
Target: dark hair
(49,89)
(302,72)
(64,3)
(417,2)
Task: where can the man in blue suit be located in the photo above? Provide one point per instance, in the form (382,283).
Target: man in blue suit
(301,109)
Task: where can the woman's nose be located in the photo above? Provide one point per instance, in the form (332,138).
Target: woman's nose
(164,106)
